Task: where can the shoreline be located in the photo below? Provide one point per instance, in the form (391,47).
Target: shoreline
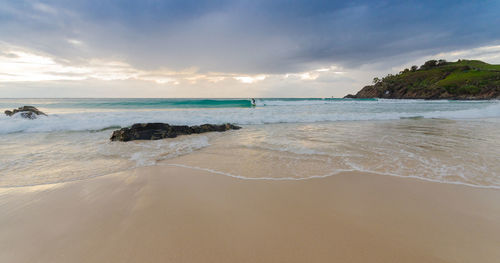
(177,214)
(212,171)
(416,177)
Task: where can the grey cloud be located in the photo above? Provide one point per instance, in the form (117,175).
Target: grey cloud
(250,37)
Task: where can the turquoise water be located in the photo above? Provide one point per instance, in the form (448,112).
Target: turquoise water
(99,114)
(159,103)
(445,141)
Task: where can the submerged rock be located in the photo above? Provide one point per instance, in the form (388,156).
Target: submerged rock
(157,131)
(28,112)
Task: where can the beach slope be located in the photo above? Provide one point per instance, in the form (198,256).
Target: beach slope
(177,214)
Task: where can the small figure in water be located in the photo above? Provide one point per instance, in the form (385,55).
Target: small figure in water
(253,102)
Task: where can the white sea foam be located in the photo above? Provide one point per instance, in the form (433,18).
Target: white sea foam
(213,171)
(91,121)
(43,158)
(458,152)
(73,144)
(147,153)
(490,111)
(337,172)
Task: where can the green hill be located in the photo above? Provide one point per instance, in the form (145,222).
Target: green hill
(438,79)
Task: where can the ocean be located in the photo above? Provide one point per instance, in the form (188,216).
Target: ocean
(443,141)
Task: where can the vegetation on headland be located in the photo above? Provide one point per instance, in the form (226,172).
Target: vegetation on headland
(438,79)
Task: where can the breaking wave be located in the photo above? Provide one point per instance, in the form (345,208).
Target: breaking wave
(98,120)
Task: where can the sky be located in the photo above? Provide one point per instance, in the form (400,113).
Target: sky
(220,48)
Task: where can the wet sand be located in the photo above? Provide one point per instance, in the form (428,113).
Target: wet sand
(176,214)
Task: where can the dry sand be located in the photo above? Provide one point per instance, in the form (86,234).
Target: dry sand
(175,214)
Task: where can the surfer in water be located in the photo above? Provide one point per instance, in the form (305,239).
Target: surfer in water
(253,102)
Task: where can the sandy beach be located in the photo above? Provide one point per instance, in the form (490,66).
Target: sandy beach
(177,214)
(249,131)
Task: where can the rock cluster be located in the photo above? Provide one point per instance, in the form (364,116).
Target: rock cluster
(157,131)
(28,112)
(402,92)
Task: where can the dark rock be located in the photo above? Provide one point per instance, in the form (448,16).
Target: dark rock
(157,131)
(28,112)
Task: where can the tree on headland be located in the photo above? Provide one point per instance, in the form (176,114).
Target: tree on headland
(441,62)
(429,64)
(404,71)
(433,63)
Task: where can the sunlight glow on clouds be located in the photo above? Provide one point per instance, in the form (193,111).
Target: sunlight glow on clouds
(19,65)
(226,48)
(22,65)
(249,79)
(75,42)
(314,74)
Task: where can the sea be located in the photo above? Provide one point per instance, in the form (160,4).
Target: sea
(444,141)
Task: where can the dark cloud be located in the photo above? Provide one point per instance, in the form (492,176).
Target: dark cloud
(249,36)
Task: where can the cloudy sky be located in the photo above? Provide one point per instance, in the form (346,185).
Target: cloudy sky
(220,48)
